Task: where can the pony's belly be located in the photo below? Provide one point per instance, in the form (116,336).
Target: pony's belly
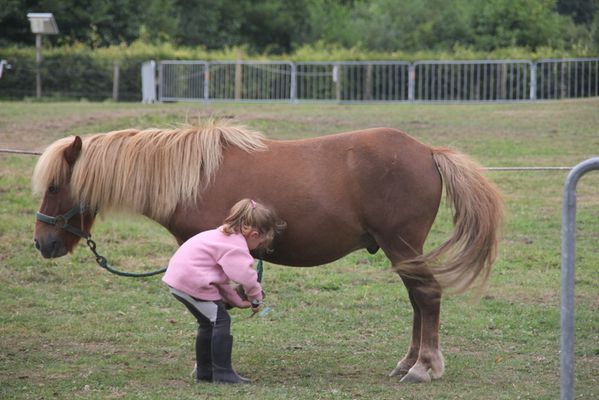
(323,252)
(303,260)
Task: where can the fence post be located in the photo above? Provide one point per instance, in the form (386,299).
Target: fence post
(368,83)
(160,81)
(207,81)
(115,81)
(337,80)
(238,79)
(411,81)
(568,258)
(562,86)
(503,85)
(293,94)
(38,60)
(533,81)
(148,82)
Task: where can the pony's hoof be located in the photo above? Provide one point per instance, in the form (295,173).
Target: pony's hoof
(398,371)
(403,367)
(416,375)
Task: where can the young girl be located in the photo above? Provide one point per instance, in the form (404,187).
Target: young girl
(200,272)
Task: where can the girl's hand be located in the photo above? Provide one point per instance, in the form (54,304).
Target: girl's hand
(245,304)
(256,306)
(256,309)
(231,297)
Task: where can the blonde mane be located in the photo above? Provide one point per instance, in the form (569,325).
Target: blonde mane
(144,171)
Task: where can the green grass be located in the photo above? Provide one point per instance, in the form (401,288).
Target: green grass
(70,330)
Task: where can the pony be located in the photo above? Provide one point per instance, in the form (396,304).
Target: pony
(376,188)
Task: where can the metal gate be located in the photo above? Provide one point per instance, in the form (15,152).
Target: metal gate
(568,281)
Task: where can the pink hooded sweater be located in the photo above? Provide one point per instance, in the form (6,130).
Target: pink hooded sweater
(205,264)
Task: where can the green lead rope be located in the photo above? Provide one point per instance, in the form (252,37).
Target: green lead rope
(260,269)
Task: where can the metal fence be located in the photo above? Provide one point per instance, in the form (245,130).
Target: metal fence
(472,80)
(561,79)
(484,80)
(352,81)
(182,80)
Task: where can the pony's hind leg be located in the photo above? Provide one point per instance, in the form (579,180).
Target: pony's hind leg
(425,295)
(424,291)
(404,365)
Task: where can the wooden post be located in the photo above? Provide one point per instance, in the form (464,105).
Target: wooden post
(38,61)
(412,82)
(238,78)
(115,81)
(563,88)
(368,83)
(503,85)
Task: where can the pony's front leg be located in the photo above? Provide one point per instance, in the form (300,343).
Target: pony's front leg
(426,294)
(404,365)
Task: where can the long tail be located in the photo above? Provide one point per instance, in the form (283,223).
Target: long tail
(467,256)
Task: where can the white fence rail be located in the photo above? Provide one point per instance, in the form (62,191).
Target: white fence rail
(427,81)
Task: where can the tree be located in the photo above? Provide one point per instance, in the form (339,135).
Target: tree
(526,23)
(95,23)
(581,11)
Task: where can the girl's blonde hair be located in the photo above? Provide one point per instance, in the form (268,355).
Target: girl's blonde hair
(248,214)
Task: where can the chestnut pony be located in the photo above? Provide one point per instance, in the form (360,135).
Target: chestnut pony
(374,188)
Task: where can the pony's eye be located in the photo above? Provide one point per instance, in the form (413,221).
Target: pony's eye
(53,189)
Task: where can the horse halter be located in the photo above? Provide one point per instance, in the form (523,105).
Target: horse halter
(62,221)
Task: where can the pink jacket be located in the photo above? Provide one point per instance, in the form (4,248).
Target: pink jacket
(205,264)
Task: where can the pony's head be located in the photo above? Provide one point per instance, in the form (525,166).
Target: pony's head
(149,172)
(62,220)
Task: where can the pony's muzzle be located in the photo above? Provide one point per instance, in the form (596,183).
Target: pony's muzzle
(50,248)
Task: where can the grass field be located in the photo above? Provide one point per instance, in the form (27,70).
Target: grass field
(70,330)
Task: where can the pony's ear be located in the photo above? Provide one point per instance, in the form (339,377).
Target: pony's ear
(71,153)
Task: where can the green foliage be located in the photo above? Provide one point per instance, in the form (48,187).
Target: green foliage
(282,26)
(503,23)
(581,11)
(71,71)
(96,23)
(594,33)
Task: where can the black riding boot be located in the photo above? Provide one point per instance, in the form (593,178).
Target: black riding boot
(222,370)
(203,359)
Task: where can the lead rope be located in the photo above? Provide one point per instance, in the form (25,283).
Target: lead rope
(260,269)
(102,262)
